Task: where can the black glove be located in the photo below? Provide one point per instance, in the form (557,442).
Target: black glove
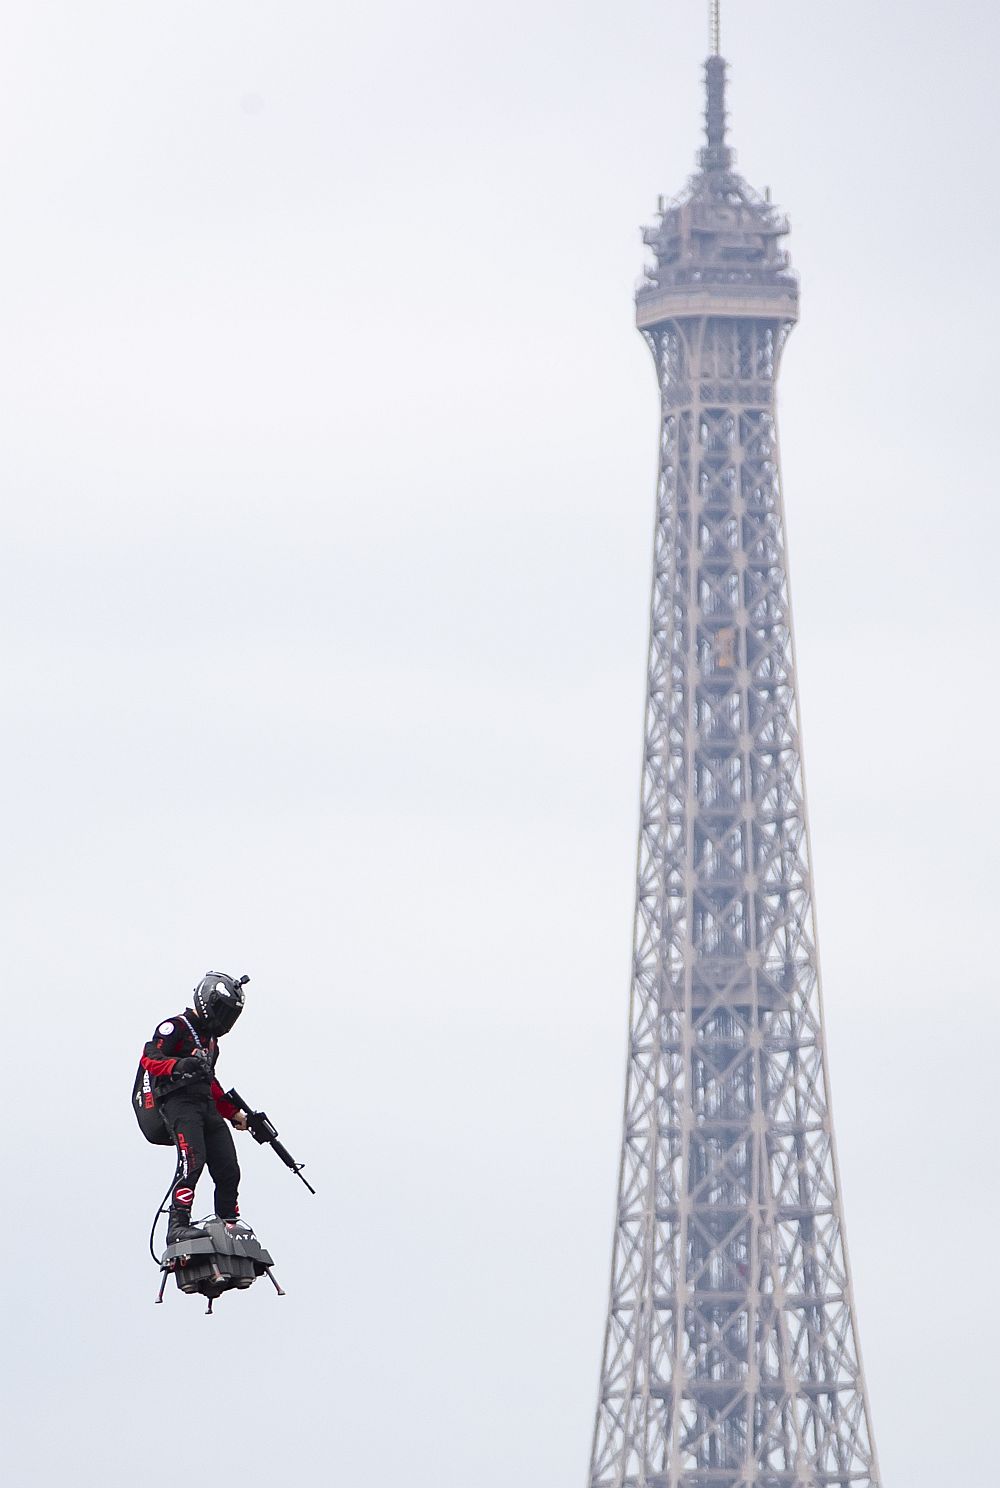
(191,1066)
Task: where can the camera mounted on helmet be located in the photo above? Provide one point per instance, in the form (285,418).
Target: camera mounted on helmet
(218,1001)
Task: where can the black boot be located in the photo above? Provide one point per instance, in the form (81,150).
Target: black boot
(181,1228)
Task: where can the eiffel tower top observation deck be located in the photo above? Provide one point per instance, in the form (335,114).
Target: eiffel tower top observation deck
(718,245)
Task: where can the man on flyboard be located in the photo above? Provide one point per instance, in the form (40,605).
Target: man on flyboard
(177,1078)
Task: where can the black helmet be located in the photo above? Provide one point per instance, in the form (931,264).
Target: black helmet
(218,1000)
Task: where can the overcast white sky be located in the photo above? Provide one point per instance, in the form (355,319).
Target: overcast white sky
(328,453)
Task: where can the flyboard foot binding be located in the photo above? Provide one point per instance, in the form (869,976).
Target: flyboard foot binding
(230,1257)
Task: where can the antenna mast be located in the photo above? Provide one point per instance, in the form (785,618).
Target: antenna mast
(714,29)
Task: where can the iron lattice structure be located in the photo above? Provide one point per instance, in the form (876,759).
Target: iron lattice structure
(730,1358)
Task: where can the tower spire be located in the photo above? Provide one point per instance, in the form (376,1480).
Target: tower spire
(716,156)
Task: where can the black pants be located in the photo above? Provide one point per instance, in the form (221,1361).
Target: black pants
(202,1136)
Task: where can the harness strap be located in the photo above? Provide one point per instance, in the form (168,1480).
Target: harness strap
(172,1088)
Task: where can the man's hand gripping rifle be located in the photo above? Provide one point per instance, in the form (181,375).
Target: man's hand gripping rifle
(262,1129)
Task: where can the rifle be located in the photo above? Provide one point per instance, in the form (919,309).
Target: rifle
(262,1129)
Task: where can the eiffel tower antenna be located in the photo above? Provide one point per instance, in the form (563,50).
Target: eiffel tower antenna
(714,28)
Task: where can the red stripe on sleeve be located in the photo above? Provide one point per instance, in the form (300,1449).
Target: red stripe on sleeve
(224,1107)
(158,1066)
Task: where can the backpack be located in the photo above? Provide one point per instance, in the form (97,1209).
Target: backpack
(151,1123)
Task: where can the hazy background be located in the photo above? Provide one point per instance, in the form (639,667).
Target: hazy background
(328,454)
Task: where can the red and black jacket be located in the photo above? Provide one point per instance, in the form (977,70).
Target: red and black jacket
(179,1038)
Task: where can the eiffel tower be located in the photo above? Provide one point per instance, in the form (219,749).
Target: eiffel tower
(731,1357)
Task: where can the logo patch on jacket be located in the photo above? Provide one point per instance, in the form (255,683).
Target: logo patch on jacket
(165,1028)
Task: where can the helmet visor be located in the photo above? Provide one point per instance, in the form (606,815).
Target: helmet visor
(224,1015)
